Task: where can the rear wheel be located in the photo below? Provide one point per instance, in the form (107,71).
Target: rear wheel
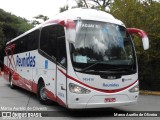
(12,86)
(41,94)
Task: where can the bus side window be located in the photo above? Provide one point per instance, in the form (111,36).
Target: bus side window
(61,51)
(22,44)
(52,42)
(48,40)
(61,46)
(32,43)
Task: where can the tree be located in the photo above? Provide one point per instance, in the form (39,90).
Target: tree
(102,4)
(64,8)
(39,19)
(143,15)
(35,22)
(2,37)
(82,3)
(42,17)
(10,27)
(94,4)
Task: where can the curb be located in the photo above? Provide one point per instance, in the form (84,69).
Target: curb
(149,93)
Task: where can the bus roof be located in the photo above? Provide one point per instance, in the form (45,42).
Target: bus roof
(76,14)
(86,14)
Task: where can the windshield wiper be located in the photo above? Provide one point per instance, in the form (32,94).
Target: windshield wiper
(86,68)
(121,69)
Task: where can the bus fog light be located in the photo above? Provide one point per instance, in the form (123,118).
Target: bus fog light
(77,89)
(135,89)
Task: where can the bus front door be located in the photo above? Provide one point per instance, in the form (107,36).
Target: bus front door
(61,72)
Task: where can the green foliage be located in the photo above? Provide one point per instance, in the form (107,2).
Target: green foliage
(2,37)
(94,4)
(144,15)
(64,8)
(102,4)
(39,18)
(10,27)
(81,4)
(42,17)
(35,22)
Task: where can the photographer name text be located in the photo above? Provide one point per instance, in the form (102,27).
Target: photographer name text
(34,108)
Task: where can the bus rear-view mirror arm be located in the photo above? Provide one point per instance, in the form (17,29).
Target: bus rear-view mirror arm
(142,35)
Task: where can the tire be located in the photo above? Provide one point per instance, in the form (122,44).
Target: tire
(12,86)
(41,95)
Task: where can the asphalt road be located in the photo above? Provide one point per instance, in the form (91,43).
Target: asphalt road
(22,100)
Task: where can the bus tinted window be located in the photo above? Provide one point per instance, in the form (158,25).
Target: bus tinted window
(48,39)
(27,43)
(33,40)
(61,51)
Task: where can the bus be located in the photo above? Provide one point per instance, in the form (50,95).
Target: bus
(81,58)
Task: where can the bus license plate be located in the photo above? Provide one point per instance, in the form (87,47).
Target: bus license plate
(109,100)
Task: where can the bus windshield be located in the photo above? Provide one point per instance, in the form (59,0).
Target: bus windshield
(101,46)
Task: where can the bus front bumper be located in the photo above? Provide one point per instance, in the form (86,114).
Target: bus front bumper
(99,101)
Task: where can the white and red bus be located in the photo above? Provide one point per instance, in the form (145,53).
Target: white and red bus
(82,58)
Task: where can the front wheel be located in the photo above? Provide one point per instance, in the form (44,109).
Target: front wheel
(41,94)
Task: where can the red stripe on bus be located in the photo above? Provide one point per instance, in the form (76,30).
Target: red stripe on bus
(100,90)
(61,102)
(50,95)
(30,85)
(34,87)
(55,98)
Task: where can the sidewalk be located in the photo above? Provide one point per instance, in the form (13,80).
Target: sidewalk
(145,92)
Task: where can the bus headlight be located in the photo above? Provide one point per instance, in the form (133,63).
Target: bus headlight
(77,89)
(134,89)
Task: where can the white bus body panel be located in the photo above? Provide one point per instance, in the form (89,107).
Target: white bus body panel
(99,93)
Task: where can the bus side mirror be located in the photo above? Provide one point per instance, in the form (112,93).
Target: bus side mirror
(142,35)
(70,30)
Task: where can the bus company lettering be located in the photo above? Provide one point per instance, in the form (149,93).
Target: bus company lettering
(28,61)
(110,85)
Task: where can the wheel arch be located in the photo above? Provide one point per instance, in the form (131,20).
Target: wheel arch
(40,81)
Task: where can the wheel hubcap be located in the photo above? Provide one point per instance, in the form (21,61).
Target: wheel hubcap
(43,93)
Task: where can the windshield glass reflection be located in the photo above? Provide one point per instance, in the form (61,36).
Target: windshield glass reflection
(101,46)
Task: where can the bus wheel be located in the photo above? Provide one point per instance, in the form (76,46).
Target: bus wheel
(12,86)
(41,94)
